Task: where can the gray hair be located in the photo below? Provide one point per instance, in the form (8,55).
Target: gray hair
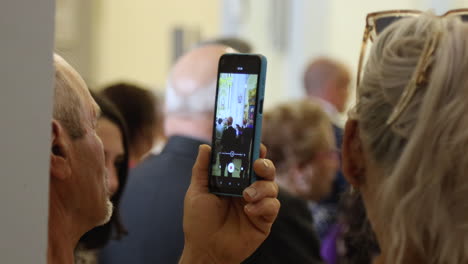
(199,101)
(423,190)
(68,106)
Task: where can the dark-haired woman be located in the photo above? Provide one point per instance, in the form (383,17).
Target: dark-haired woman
(113,133)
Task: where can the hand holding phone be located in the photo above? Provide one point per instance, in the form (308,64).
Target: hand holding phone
(238,122)
(212,223)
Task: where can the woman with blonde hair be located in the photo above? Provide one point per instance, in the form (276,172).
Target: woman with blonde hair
(405,143)
(301,143)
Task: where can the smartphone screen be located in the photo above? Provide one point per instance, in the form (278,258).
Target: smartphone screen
(235,123)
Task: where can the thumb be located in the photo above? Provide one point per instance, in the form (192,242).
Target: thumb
(200,169)
(263,151)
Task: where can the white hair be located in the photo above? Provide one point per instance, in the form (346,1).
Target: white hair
(423,192)
(67,103)
(202,100)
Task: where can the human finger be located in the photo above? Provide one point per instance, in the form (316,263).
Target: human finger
(263,151)
(259,190)
(263,213)
(200,169)
(265,169)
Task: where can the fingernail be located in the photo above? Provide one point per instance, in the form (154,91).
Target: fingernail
(251,191)
(266,163)
(249,207)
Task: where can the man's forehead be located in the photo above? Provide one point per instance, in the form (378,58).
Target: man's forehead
(96,109)
(88,110)
(90,104)
(87,100)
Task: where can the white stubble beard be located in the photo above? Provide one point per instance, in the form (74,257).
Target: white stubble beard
(109,211)
(109,205)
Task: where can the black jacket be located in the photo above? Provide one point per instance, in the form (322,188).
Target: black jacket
(229,139)
(152,207)
(292,239)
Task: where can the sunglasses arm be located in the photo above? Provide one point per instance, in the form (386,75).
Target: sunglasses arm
(365,38)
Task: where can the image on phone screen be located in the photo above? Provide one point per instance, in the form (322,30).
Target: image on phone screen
(234,124)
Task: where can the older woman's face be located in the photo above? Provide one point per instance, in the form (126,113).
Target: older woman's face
(315,179)
(114,150)
(326,165)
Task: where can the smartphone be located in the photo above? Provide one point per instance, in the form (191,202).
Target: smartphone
(237,122)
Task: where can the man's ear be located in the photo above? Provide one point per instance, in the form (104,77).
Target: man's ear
(353,161)
(59,156)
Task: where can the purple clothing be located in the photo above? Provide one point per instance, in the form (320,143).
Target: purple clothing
(329,249)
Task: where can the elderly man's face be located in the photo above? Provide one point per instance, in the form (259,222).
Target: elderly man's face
(88,167)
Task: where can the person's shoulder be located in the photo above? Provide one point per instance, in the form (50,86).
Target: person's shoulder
(292,238)
(286,197)
(292,207)
(147,176)
(148,165)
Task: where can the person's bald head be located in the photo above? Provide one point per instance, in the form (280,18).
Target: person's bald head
(191,87)
(328,79)
(71,98)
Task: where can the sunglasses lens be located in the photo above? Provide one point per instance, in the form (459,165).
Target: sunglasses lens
(383,22)
(464,17)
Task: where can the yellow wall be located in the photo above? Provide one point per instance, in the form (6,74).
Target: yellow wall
(133,39)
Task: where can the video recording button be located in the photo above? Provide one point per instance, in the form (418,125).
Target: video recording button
(231,167)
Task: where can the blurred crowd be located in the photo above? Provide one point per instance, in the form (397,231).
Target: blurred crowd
(386,187)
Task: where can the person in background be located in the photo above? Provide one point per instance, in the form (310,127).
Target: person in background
(352,240)
(326,82)
(228,144)
(160,139)
(137,106)
(112,131)
(152,206)
(79,194)
(300,140)
(78,188)
(404,147)
(245,145)
(219,128)
(340,218)
(238,44)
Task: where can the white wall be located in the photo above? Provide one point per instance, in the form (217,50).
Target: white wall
(120,39)
(314,27)
(26,33)
(74,40)
(133,39)
(459,3)
(259,22)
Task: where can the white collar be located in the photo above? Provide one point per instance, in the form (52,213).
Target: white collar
(335,117)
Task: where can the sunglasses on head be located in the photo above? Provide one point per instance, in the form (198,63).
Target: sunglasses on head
(378,21)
